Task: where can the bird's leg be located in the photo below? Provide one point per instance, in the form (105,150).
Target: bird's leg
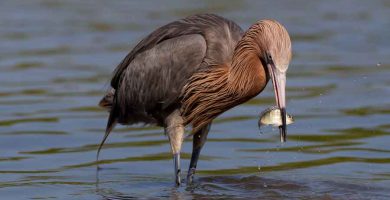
(175,131)
(199,139)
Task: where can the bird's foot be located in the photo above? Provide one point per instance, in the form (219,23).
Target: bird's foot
(190,175)
(178,175)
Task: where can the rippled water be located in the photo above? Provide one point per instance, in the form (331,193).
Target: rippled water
(56,58)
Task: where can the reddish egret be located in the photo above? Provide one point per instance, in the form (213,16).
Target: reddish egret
(190,71)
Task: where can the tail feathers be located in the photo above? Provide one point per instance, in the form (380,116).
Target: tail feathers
(110,125)
(112,119)
(108,99)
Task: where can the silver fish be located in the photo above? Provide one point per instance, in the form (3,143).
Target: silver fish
(272,116)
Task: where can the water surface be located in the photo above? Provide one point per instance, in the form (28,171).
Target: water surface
(56,58)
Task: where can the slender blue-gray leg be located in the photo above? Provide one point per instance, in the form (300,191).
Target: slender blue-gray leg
(176,162)
(175,131)
(199,139)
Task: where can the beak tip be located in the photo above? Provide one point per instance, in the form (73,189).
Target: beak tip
(282,134)
(283,127)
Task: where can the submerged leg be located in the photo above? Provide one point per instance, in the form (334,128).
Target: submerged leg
(199,139)
(174,129)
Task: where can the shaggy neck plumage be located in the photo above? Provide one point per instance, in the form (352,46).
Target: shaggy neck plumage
(217,89)
(247,75)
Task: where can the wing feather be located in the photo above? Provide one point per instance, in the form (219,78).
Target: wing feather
(154,79)
(206,25)
(150,78)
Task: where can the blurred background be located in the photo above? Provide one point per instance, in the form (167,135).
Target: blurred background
(56,59)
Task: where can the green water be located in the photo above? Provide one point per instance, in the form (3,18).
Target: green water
(56,58)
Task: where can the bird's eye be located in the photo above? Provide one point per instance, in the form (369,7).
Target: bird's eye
(269,57)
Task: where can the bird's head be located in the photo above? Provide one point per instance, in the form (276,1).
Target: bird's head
(275,54)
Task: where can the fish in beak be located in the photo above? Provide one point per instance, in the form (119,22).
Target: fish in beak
(278,78)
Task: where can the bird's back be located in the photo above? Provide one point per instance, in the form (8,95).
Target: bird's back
(147,84)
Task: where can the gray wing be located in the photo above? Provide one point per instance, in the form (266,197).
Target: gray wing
(211,27)
(152,75)
(166,32)
(154,78)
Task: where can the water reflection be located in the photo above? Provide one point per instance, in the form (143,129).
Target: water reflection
(251,187)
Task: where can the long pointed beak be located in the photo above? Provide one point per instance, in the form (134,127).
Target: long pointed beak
(279,83)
